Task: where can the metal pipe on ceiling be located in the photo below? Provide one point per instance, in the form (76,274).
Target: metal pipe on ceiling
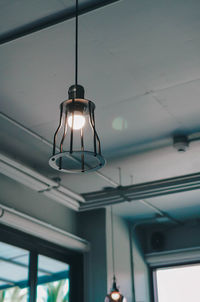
(142,191)
(51,20)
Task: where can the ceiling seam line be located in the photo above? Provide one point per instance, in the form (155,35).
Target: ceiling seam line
(175,85)
(156,98)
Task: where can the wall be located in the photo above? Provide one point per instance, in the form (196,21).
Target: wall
(95,226)
(92,227)
(175,236)
(141,273)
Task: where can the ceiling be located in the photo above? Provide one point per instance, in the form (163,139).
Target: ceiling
(139,62)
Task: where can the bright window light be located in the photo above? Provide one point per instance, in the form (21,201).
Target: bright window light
(178,284)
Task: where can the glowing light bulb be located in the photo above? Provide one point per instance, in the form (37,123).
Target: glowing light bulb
(115,296)
(79,121)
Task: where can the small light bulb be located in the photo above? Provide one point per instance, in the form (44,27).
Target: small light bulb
(79,121)
(115,296)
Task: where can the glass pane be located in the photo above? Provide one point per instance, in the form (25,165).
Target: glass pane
(178,284)
(53,280)
(13,273)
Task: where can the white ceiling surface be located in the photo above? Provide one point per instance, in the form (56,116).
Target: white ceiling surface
(139,62)
(180,206)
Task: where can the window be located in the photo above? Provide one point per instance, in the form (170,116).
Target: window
(33,270)
(52,280)
(14,264)
(177,283)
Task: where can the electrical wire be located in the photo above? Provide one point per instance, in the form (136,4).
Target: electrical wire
(76,45)
(112,236)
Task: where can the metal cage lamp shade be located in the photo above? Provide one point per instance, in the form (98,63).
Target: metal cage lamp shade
(74,114)
(76,120)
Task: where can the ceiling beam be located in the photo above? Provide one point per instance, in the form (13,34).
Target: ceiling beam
(59,17)
(141,191)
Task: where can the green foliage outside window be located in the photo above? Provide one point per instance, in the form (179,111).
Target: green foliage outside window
(57,291)
(13,294)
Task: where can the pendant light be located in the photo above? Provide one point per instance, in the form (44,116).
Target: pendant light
(114,295)
(76,130)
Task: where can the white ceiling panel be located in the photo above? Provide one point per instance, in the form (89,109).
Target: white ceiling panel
(134,211)
(181,206)
(133,121)
(182,102)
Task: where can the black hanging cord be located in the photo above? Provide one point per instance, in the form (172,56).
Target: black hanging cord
(112,233)
(76,46)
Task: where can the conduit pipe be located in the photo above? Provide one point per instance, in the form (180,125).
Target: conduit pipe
(35,227)
(39,183)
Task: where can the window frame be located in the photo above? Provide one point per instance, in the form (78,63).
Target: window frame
(154,288)
(37,246)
